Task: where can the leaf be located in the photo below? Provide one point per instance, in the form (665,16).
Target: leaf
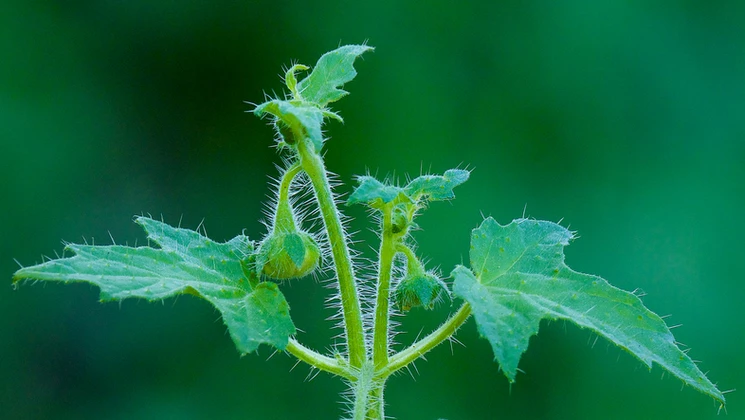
(331,72)
(304,120)
(436,187)
(186,262)
(303,115)
(519,277)
(429,187)
(373,192)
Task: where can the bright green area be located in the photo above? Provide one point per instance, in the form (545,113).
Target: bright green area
(623,119)
(374,193)
(519,278)
(303,114)
(333,70)
(185,262)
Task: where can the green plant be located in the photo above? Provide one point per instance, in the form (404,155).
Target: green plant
(516,278)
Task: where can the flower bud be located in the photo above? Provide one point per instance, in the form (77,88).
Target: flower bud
(287,255)
(418,289)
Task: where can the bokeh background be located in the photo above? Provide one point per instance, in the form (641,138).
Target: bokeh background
(625,120)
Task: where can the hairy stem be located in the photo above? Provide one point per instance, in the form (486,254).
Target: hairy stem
(416,350)
(386,254)
(362,387)
(376,402)
(284,220)
(317,360)
(413,263)
(312,164)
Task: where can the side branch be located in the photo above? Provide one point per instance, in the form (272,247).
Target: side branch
(416,350)
(382,310)
(317,360)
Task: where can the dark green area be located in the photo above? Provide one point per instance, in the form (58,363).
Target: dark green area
(625,120)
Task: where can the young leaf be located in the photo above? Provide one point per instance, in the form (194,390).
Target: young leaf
(431,187)
(519,277)
(303,120)
(436,187)
(331,72)
(186,262)
(373,192)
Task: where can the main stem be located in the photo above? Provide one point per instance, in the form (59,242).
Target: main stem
(312,164)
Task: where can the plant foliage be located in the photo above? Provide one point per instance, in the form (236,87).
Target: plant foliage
(517,274)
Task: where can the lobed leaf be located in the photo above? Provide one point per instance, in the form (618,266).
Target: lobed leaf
(333,70)
(436,187)
(429,187)
(518,277)
(186,262)
(373,192)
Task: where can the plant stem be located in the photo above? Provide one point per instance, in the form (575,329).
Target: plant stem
(362,387)
(284,220)
(376,402)
(386,255)
(413,265)
(317,360)
(312,164)
(416,350)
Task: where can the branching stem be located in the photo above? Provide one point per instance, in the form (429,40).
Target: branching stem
(317,360)
(416,350)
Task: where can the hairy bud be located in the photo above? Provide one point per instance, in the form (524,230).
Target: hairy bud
(418,289)
(288,255)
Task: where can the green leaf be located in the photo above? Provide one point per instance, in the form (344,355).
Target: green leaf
(519,277)
(330,73)
(374,193)
(186,262)
(290,79)
(429,187)
(304,120)
(436,187)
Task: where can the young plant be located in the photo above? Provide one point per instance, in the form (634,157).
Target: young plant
(515,278)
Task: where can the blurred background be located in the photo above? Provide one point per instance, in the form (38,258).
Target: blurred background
(625,120)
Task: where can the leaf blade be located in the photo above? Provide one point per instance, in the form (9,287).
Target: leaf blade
(373,192)
(519,278)
(333,70)
(436,187)
(186,262)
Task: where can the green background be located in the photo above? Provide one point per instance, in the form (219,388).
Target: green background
(626,120)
